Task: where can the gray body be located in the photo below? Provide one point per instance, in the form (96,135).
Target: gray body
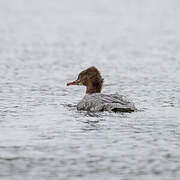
(103,102)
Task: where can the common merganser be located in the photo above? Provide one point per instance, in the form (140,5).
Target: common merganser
(94,100)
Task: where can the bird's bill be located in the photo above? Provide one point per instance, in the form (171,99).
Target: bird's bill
(76,82)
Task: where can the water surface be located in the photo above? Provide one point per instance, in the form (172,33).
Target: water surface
(45,44)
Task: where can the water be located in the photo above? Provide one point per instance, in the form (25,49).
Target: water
(45,44)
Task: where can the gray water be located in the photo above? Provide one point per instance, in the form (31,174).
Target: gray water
(45,44)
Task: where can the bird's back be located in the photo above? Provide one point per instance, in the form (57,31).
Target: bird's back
(103,102)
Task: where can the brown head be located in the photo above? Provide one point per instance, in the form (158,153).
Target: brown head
(91,78)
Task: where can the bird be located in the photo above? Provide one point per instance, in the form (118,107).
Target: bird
(94,100)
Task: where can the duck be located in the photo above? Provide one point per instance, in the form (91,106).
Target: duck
(94,100)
